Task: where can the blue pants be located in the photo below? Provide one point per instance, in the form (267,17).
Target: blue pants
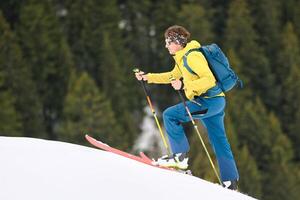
(211,113)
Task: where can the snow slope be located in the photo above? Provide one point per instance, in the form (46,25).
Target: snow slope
(34,169)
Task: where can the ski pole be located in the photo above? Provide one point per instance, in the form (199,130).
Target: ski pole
(136,70)
(197,131)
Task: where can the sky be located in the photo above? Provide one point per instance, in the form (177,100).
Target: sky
(36,169)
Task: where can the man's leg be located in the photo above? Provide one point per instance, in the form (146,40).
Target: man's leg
(173,117)
(221,146)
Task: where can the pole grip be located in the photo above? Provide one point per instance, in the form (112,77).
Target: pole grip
(137,70)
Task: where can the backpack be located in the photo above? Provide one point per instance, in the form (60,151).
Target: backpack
(220,67)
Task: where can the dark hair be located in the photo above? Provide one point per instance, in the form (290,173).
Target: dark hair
(178,34)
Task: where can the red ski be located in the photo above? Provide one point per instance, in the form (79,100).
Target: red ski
(142,158)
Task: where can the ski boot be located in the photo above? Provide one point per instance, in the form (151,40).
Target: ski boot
(232,185)
(178,161)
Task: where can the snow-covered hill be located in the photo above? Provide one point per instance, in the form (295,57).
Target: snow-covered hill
(34,169)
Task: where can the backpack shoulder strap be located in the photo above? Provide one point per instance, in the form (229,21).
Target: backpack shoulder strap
(185,63)
(212,91)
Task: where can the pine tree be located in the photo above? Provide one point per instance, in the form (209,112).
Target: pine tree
(195,19)
(11,11)
(217,10)
(294,132)
(86,23)
(255,132)
(94,34)
(241,37)
(250,180)
(289,53)
(290,76)
(162,17)
(250,177)
(138,29)
(261,133)
(275,189)
(145,24)
(86,110)
(280,164)
(17,77)
(111,72)
(47,52)
(10,124)
(290,12)
(268,31)
(296,18)
(113,77)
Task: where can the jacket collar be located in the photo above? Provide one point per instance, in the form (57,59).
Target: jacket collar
(191,45)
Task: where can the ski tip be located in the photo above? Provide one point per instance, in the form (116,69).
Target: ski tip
(93,140)
(89,138)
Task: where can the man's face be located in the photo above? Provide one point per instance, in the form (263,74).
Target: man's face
(172,46)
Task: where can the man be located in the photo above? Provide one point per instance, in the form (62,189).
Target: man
(206,103)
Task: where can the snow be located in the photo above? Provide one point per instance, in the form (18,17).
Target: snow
(35,169)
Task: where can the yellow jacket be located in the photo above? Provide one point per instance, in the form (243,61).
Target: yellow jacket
(194,85)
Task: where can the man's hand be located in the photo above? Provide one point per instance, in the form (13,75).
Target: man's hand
(141,76)
(177,84)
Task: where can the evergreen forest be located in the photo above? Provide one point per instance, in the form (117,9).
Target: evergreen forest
(66,70)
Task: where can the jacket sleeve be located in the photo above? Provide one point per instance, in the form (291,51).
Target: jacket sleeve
(206,80)
(164,78)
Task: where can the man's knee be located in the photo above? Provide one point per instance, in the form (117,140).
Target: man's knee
(168,113)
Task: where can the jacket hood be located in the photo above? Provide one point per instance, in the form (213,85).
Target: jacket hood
(191,45)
